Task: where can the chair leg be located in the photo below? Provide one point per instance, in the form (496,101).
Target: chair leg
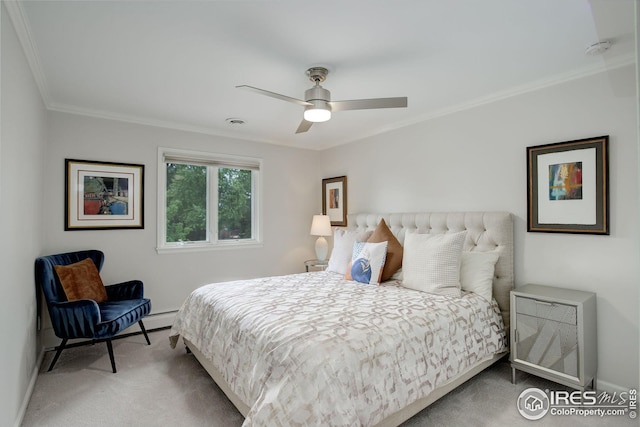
(113,362)
(144,331)
(58,351)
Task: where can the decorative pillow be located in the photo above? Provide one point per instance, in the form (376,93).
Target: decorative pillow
(81,281)
(476,273)
(382,233)
(367,262)
(431,262)
(343,241)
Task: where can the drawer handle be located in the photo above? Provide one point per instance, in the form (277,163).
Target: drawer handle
(550,304)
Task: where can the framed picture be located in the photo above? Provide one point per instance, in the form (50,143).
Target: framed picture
(334,200)
(568,187)
(103,195)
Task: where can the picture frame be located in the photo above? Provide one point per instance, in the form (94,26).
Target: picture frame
(568,187)
(103,195)
(334,200)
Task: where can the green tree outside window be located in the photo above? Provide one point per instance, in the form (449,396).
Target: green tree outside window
(186,203)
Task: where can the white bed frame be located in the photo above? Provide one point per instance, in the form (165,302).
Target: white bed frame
(486,232)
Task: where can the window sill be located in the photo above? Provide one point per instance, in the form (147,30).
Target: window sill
(195,247)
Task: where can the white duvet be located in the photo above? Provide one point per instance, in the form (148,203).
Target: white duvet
(314,349)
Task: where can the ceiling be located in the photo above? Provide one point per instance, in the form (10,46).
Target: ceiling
(176,63)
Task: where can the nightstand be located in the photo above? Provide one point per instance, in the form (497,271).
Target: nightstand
(315,265)
(553,335)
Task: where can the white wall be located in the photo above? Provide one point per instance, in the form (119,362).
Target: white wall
(476,160)
(22,148)
(291,182)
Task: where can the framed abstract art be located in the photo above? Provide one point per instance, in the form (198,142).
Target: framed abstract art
(103,195)
(568,187)
(334,200)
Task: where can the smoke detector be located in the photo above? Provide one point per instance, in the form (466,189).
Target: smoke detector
(597,48)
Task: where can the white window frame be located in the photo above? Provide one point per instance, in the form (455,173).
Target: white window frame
(171,155)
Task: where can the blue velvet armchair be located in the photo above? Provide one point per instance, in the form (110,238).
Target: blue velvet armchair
(84,318)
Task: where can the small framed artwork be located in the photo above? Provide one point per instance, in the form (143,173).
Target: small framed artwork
(568,187)
(334,200)
(103,195)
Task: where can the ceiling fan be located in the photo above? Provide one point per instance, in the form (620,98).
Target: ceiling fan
(318,104)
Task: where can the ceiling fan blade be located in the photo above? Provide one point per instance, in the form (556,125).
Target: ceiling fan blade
(275,95)
(364,104)
(304,126)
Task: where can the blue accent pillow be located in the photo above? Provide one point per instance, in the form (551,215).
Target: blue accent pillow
(367,262)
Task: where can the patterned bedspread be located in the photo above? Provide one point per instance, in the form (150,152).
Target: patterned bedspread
(314,349)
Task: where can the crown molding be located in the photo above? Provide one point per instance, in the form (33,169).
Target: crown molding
(608,65)
(557,79)
(477,102)
(146,121)
(16,14)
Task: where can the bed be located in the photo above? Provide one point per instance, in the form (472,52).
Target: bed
(318,349)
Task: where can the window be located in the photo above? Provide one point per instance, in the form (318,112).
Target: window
(207,200)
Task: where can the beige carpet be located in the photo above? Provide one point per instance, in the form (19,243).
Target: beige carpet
(158,386)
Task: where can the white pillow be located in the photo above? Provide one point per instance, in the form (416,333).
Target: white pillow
(343,241)
(476,272)
(431,262)
(367,262)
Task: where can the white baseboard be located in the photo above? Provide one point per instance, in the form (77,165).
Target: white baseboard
(29,392)
(152,321)
(160,320)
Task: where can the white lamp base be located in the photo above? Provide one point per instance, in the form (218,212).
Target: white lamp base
(322,248)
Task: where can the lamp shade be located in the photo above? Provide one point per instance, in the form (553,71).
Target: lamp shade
(321,225)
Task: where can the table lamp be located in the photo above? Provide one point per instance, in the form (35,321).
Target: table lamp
(321,226)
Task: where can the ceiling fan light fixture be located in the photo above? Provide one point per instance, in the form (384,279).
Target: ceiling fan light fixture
(318,112)
(317,101)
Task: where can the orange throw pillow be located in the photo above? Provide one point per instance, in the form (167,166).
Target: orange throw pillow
(81,281)
(382,233)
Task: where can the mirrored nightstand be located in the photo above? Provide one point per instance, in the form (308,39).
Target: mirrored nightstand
(315,265)
(553,335)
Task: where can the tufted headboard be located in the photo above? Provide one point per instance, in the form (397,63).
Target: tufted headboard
(487,232)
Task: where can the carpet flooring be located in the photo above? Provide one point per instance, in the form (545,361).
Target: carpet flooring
(158,386)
